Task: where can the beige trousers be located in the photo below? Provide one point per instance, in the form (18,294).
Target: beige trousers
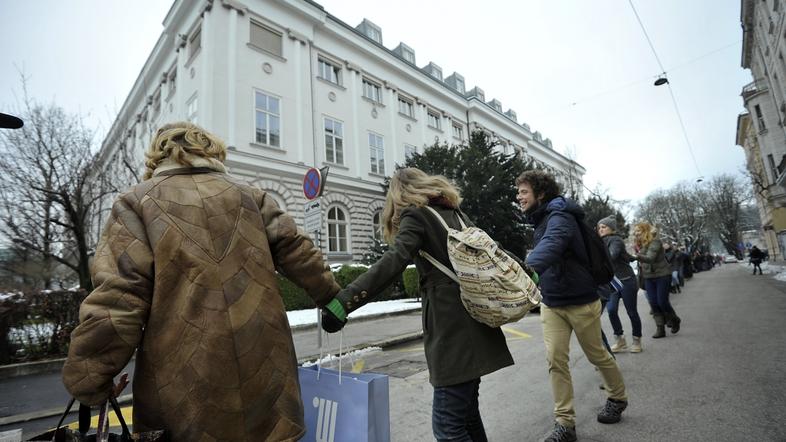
(584,320)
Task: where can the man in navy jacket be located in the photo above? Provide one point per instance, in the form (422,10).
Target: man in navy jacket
(570,300)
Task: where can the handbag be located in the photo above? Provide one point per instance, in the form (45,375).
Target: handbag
(352,407)
(66,434)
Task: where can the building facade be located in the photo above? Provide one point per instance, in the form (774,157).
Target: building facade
(761,131)
(289,86)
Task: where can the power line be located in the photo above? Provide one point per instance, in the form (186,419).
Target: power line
(671,92)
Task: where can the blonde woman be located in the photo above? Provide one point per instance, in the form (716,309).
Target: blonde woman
(185,277)
(656,272)
(459,350)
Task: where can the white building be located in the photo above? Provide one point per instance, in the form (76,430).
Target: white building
(289,86)
(761,131)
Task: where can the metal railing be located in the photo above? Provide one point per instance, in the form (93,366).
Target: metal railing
(753,87)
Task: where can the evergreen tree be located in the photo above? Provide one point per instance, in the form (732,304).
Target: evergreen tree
(487,181)
(597,207)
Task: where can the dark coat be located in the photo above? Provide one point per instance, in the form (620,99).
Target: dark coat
(756,255)
(619,256)
(458,348)
(559,255)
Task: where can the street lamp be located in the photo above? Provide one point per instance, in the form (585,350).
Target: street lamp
(661,80)
(10,122)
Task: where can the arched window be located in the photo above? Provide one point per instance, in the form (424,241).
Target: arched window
(376,225)
(337,230)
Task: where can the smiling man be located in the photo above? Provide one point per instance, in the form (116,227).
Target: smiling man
(570,301)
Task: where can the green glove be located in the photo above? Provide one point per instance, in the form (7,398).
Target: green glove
(535,277)
(337,309)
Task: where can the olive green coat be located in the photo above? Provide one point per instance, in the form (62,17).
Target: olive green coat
(653,260)
(458,348)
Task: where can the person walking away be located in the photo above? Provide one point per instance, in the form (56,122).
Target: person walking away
(657,278)
(185,277)
(459,350)
(570,302)
(672,257)
(756,256)
(620,258)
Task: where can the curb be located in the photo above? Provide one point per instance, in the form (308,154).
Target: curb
(54,365)
(310,326)
(33,415)
(408,337)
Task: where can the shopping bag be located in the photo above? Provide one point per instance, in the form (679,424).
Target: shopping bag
(356,409)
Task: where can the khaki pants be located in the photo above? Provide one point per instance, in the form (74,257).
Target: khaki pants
(584,320)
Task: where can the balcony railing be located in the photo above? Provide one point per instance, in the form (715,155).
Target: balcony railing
(753,87)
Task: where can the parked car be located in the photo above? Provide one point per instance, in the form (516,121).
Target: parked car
(730,258)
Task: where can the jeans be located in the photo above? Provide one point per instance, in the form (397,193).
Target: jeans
(658,294)
(559,323)
(455,415)
(630,290)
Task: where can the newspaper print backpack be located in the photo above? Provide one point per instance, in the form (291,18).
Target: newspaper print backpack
(495,290)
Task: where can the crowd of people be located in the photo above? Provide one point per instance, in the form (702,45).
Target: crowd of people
(185,278)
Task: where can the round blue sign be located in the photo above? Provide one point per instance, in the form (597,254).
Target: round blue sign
(311,183)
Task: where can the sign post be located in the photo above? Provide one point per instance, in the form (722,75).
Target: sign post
(313,186)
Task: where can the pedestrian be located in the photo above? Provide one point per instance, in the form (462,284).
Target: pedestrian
(459,350)
(621,259)
(756,256)
(672,257)
(657,278)
(185,277)
(570,301)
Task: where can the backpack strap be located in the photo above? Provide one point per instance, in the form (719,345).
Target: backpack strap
(442,267)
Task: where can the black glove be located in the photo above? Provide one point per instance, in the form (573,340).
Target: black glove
(331,323)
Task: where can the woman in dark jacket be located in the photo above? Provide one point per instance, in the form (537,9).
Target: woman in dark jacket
(607,228)
(459,350)
(657,278)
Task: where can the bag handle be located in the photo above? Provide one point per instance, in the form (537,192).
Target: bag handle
(440,266)
(84,418)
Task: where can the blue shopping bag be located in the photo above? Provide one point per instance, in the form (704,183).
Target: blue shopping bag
(355,410)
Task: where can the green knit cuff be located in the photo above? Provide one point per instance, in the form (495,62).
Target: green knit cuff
(337,309)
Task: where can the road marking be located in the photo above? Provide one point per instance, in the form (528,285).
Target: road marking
(516,332)
(113,420)
(357,367)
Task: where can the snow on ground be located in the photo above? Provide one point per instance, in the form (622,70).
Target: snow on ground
(309,316)
(352,355)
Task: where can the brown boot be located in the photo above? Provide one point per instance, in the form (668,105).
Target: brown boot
(660,326)
(673,321)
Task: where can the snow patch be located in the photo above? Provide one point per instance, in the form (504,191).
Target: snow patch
(309,316)
(351,355)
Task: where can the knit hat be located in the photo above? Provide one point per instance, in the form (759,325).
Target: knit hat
(609,221)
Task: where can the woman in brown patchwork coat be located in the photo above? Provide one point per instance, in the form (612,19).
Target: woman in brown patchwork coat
(185,276)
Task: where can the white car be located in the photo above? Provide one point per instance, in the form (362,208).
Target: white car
(730,258)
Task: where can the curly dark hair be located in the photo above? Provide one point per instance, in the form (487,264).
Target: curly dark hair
(543,184)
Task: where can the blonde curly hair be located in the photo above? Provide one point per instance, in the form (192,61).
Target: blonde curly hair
(644,233)
(179,141)
(413,187)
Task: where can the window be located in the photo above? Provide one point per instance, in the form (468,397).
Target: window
(334,141)
(433,119)
(374,34)
(460,85)
(773,168)
(409,150)
(265,38)
(372,91)
(195,42)
(191,109)
(760,118)
(376,226)
(172,82)
(377,151)
(337,230)
(408,55)
(458,131)
(405,107)
(328,71)
(156,103)
(268,119)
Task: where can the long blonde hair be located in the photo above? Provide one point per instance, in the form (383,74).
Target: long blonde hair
(646,233)
(413,187)
(180,140)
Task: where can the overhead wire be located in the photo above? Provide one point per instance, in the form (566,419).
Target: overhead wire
(671,92)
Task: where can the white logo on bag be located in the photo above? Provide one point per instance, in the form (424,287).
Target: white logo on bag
(326,419)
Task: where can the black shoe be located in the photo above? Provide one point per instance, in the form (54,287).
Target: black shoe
(561,433)
(612,411)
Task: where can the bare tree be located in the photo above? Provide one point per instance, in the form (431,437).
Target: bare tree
(51,189)
(678,215)
(726,199)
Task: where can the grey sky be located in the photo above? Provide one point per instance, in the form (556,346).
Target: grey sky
(536,57)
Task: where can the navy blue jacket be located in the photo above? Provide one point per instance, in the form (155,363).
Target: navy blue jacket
(559,255)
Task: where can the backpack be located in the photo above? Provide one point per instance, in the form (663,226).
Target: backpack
(600,266)
(495,289)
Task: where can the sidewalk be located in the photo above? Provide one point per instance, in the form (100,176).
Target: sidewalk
(34,396)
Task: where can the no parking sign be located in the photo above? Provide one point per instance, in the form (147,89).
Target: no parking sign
(314,182)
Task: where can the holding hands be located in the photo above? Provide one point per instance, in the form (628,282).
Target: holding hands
(334,316)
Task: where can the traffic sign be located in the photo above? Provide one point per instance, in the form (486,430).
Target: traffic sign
(312,216)
(312,183)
